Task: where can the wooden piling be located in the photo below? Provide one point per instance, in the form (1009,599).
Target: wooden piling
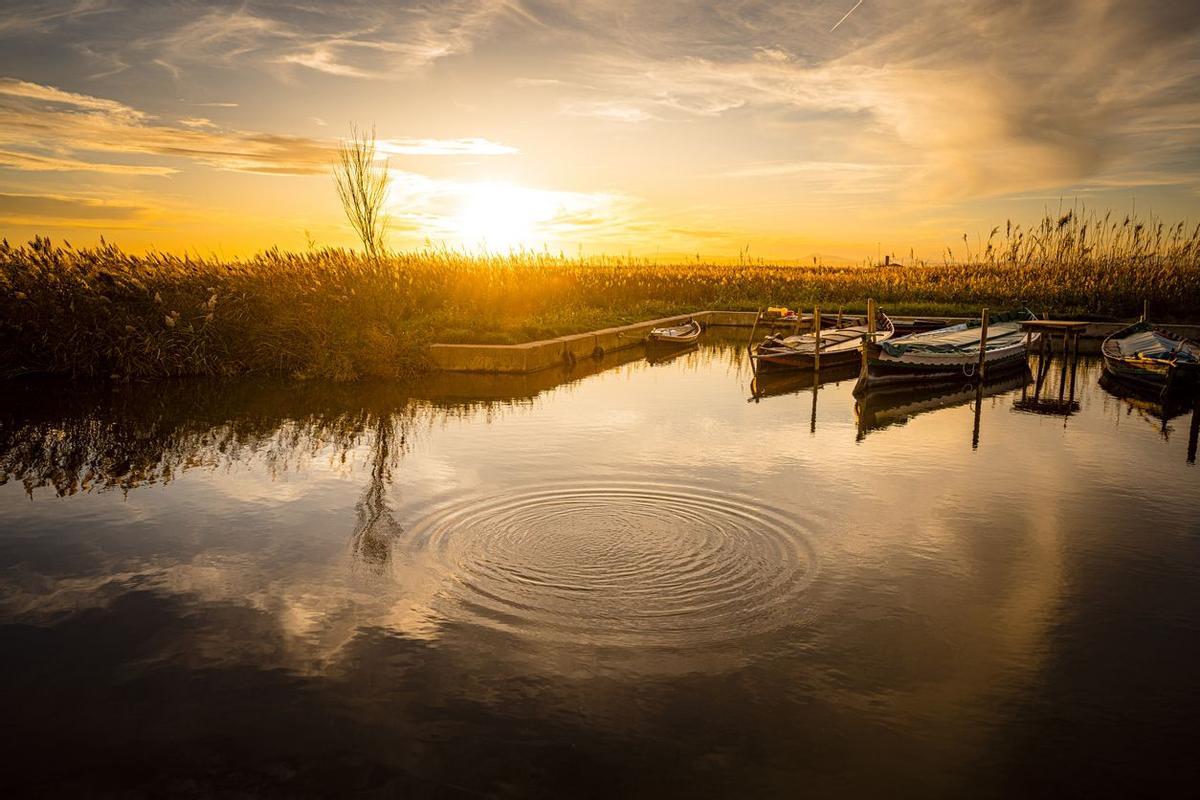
(817,343)
(1145,310)
(1074,363)
(753,328)
(869,339)
(981,369)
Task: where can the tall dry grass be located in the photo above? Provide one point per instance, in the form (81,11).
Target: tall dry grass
(333,313)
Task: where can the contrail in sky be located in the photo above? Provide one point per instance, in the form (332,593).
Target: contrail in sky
(848,13)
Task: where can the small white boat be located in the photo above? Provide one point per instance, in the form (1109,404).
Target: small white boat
(686,333)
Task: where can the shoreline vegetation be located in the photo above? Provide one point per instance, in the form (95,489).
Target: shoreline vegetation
(336,314)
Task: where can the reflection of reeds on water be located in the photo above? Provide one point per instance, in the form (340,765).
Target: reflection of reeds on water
(79,437)
(78,440)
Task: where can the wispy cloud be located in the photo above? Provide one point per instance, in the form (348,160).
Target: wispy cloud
(611,111)
(938,87)
(12,87)
(30,162)
(42,16)
(64,210)
(347,38)
(41,124)
(471,146)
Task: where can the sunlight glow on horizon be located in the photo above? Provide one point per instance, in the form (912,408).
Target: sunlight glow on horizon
(827,128)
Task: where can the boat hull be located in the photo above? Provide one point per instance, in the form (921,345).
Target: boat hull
(802,361)
(883,369)
(1151,375)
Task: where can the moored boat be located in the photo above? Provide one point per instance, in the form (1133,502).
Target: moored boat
(837,345)
(687,333)
(949,354)
(1150,356)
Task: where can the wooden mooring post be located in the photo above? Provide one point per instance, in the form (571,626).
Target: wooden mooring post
(753,328)
(869,339)
(981,369)
(817,343)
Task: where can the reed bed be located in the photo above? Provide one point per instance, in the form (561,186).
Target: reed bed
(101,312)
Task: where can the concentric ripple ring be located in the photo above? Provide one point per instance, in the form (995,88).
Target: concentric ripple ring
(619,563)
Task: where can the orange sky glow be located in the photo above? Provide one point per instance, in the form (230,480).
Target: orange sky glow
(798,130)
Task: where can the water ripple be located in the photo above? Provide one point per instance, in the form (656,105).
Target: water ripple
(629,564)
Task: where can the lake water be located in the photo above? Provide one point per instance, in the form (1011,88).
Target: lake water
(640,579)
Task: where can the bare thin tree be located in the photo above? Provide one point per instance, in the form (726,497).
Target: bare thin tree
(362,183)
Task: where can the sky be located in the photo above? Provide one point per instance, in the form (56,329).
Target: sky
(834,129)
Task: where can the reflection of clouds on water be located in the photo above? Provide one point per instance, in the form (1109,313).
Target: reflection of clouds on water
(377,544)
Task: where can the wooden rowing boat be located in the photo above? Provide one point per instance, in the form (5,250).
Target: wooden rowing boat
(949,354)
(1143,354)
(837,346)
(687,333)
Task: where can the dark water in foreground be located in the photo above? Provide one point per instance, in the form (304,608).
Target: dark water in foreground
(642,582)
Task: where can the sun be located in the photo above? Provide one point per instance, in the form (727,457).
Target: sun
(500,216)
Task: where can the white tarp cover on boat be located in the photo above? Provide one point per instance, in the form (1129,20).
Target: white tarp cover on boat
(956,339)
(1151,344)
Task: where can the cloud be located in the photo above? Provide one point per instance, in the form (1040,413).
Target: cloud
(30,17)
(472,146)
(345,38)
(63,210)
(30,162)
(12,87)
(40,124)
(607,110)
(980,98)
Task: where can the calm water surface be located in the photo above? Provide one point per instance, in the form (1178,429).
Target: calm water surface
(639,579)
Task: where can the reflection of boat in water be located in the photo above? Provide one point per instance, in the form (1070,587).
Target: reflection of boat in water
(1144,354)
(883,407)
(837,345)
(676,335)
(951,354)
(1156,407)
(781,382)
(663,355)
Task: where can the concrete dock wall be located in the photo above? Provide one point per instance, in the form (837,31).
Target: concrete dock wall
(568,350)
